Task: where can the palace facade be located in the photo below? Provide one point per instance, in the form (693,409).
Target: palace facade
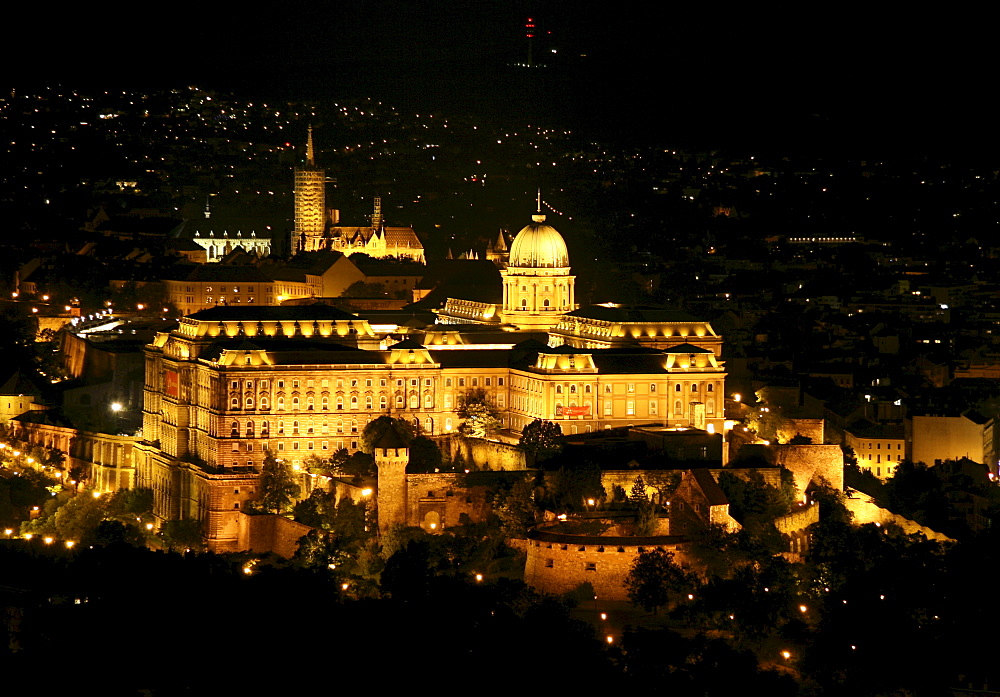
(232,382)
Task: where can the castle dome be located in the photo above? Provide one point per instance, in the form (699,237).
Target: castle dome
(539,246)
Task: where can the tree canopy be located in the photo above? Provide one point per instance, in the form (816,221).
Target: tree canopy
(655,578)
(480,415)
(277,486)
(541,438)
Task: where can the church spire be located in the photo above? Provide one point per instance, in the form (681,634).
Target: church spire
(310,152)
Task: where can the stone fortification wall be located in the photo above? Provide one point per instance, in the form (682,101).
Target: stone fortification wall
(866,511)
(812,462)
(561,563)
(798,520)
(486,454)
(269,533)
(437,501)
(658,482)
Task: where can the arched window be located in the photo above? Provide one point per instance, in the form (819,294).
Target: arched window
(354,402)
(383,403)
(295,428)
(310,403)
(677,387)
(340,425)
(340,403)
(249,429)
(368,403)
(249,402)
(694,387)
(545,303)
(678,407)
(280,403)
(234,429)
(295,403)
(263,402)
(429,425)
(447,424)
(428,400)
(264,429)
(711,387)
(558,389)
(281,428)
(326,403)
(414,402)
(399,401)
(235,402)
(572,389)
(524,304)
(710,405)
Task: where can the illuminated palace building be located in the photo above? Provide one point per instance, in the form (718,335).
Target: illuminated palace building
(231,382)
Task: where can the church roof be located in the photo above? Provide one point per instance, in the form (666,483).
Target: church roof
(539,246)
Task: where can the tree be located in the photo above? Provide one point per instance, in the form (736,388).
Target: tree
(183,534)
(377,428)
(425,456)
(479,414)
(654,579)
(637,493)
(541,439)
(277,486)
(516,509)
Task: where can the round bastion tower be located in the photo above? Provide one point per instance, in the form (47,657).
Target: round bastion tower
(537,286)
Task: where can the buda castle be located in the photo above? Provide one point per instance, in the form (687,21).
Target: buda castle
(231,382)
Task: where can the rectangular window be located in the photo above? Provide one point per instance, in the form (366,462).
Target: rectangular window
(461,382)
(281,446)
(590,566)
(326,445)
(500,382)
(630,407)
(607,389)
(475,382)
(631,388)
(652,388)
(607,407)
(381,382)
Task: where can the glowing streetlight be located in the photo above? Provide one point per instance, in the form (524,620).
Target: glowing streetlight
(116,407)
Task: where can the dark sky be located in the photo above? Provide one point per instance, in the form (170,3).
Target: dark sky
(875,73)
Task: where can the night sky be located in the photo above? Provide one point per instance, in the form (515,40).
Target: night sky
(793,76)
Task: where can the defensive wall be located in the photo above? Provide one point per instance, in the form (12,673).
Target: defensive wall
(269,533)
(486,454)
(559,562)
(867,511)
(811,463)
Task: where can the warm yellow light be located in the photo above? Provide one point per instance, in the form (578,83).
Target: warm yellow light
(786,654)
(28,536)
(737,397)
(366,492)
(802,608)
(479,577)
(49,540)
(604,615)
(710,428)
(610,639)
(96,494)
(149,526)
(69,544)
(343,586)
